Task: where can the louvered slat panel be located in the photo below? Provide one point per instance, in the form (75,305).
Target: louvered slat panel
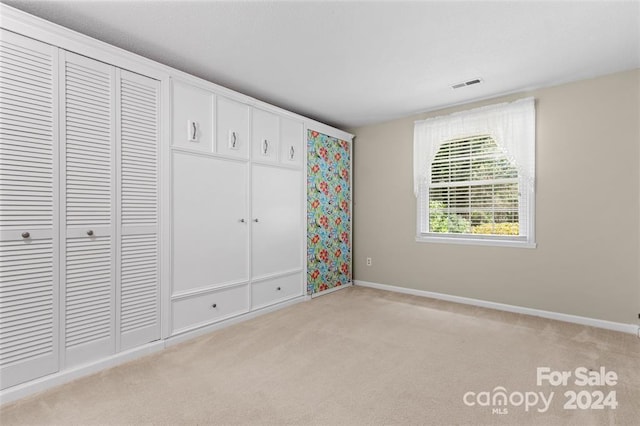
(139,278)
(89,154)
(26,137)
(88,120)
(88,290)
(26,300)
(28,265)
(139,281)
(139,152)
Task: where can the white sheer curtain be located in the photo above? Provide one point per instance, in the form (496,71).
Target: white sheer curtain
(511,125)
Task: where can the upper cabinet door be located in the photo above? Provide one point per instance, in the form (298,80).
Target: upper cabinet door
(28,210)
(89,182)
(232,128)
(139,283)
(291,142)
(192,117)
(264,136)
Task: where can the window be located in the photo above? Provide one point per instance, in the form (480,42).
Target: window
(474,176)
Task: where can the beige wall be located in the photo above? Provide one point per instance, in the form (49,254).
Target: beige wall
(587,209)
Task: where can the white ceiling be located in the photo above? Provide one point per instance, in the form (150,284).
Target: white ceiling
(355,63)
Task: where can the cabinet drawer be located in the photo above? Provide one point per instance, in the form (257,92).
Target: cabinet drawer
(210,307)
(275,290)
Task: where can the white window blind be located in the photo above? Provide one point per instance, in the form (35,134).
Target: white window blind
(474,175)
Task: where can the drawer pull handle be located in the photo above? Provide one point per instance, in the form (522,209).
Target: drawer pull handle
(90,233)
(278,289)
(214,305)
(233,140)
(292,152)
(265,147)
(26,235)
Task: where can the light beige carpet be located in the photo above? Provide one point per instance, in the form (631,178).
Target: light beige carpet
(358,356)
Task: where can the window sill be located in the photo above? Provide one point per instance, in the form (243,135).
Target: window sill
(475,241)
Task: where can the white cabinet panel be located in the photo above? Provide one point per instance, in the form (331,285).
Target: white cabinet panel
(210,222)
(275,290)
(28,210)
(291,142)
(210,307)
(89,208)
(264,136)
(277,220)
(232,128)
(192,117)
(139,284)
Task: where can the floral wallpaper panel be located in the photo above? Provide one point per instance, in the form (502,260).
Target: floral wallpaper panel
(328,212)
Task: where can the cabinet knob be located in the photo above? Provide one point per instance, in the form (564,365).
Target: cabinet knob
(278,289)
(214,305)
(242,220)
(26,235)
(255,220)
(90,233)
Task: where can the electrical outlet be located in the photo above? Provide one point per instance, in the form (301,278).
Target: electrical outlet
(368,261)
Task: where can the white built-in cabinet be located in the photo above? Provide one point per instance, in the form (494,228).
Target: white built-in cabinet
(237,207)
(79,192)
(137,204)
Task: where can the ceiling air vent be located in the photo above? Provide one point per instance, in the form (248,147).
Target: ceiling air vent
(466,83)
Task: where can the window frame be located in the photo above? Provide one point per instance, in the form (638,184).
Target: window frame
(526,185)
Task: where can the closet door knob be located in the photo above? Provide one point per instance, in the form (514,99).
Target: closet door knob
(255,220)
(90,233)
(26,235)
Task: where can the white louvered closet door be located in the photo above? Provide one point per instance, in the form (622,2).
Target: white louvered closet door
(88,158)
(28,210)
(139,285)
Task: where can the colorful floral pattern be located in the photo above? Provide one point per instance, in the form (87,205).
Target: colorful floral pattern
(328,213)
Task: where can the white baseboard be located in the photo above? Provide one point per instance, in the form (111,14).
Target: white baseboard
(56,379)
(331,290)
(65,376)
(609,325)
